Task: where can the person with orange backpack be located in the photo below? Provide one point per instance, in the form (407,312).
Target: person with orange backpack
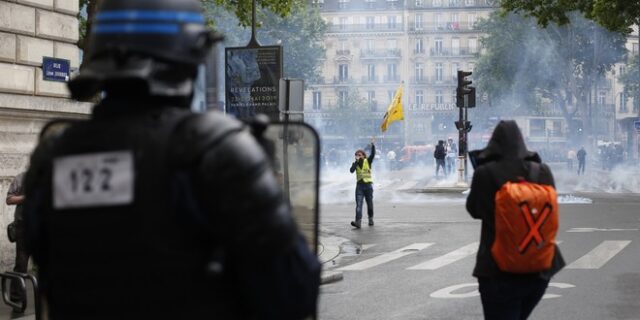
(513,193)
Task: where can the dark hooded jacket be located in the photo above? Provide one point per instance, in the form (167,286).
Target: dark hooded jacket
(504,159)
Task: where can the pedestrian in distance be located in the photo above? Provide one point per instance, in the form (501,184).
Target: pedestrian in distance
(16,197)
(440,153)
(452,154)
(513,194)
(582,158)
(571,154)
(364,184)
(148,210)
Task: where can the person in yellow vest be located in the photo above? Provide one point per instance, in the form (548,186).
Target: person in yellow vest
(364,187)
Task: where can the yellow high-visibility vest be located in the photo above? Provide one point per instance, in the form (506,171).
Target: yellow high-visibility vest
(364,173)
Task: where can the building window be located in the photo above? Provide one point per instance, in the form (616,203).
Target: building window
(418,22)
(556,128)
(342,98)
(473,45)
(343,23)
(419,71)
(622,70)
(623,103)
(454,71)
(537,127)
(469,3)
(438,20)
(455,46)
(390,94)
(437,47)
(317,100)
(471,20)
(453,3)
(392,72)
(392,44)
(439,97)
(439,71)
(371,99)
(437,3)
(371,44)
(602,97)
(419,99)
(471,66)
(634,48)
(419,3)
(391,22)
(343,72)
(370,22)
(371,72)
(343,4)
(419,45)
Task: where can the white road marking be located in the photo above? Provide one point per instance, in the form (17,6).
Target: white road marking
(598,229)
(368,246)
(448,258)
(600,255)
(386,257)
(448,292)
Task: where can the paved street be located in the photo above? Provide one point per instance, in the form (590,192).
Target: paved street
(416,263)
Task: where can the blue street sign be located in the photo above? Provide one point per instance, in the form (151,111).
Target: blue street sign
(636,124)
(54,69)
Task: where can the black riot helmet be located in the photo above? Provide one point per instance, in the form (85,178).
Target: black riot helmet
(146,47)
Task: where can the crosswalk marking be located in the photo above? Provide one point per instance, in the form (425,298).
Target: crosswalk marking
(386,257)
(448,258)
(600,255)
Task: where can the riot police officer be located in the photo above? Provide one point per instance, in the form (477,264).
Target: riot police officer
(148,211)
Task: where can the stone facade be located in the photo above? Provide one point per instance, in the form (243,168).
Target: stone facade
(30,30)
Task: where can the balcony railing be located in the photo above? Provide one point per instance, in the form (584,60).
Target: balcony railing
(392,78)
(433,80)
(366,27)
(345,80)
(368,79)
(448,4)
(441,27)
(343,52)
(452,52)
(380,54)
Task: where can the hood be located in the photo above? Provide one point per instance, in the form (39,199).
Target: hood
(506,143)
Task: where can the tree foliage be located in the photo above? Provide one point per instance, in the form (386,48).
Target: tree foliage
(301,35)
(631,80)
(525,64)
(240,9)
(615,15)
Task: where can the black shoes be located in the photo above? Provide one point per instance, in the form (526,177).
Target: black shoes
(370,222)
(356,224)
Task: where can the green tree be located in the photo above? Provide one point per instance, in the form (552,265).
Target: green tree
(301,35)
(615,15)
(631,80)
(240,8)
(526,65)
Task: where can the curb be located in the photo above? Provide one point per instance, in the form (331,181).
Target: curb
(459,190)
(331,277)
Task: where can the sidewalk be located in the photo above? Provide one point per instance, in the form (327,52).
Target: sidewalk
(329,250)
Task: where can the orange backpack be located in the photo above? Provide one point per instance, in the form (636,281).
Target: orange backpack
(526,221)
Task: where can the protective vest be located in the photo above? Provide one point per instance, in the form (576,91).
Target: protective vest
(364,174)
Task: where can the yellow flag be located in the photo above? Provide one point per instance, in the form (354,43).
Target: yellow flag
(394,112)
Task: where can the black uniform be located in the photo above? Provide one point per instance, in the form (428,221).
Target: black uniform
(148,211)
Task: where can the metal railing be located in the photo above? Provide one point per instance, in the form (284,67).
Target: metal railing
(365,27)
(20,279)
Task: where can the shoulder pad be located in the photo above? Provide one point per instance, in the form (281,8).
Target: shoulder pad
(200,132)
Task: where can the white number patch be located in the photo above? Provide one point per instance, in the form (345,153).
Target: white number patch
(93,180)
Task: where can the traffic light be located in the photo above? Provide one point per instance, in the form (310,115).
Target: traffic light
(465,90)
(467,125)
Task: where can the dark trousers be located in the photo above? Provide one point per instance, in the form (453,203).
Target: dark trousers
(440,163)
(364,191)
(581,167)
(21,265)
(510,298)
